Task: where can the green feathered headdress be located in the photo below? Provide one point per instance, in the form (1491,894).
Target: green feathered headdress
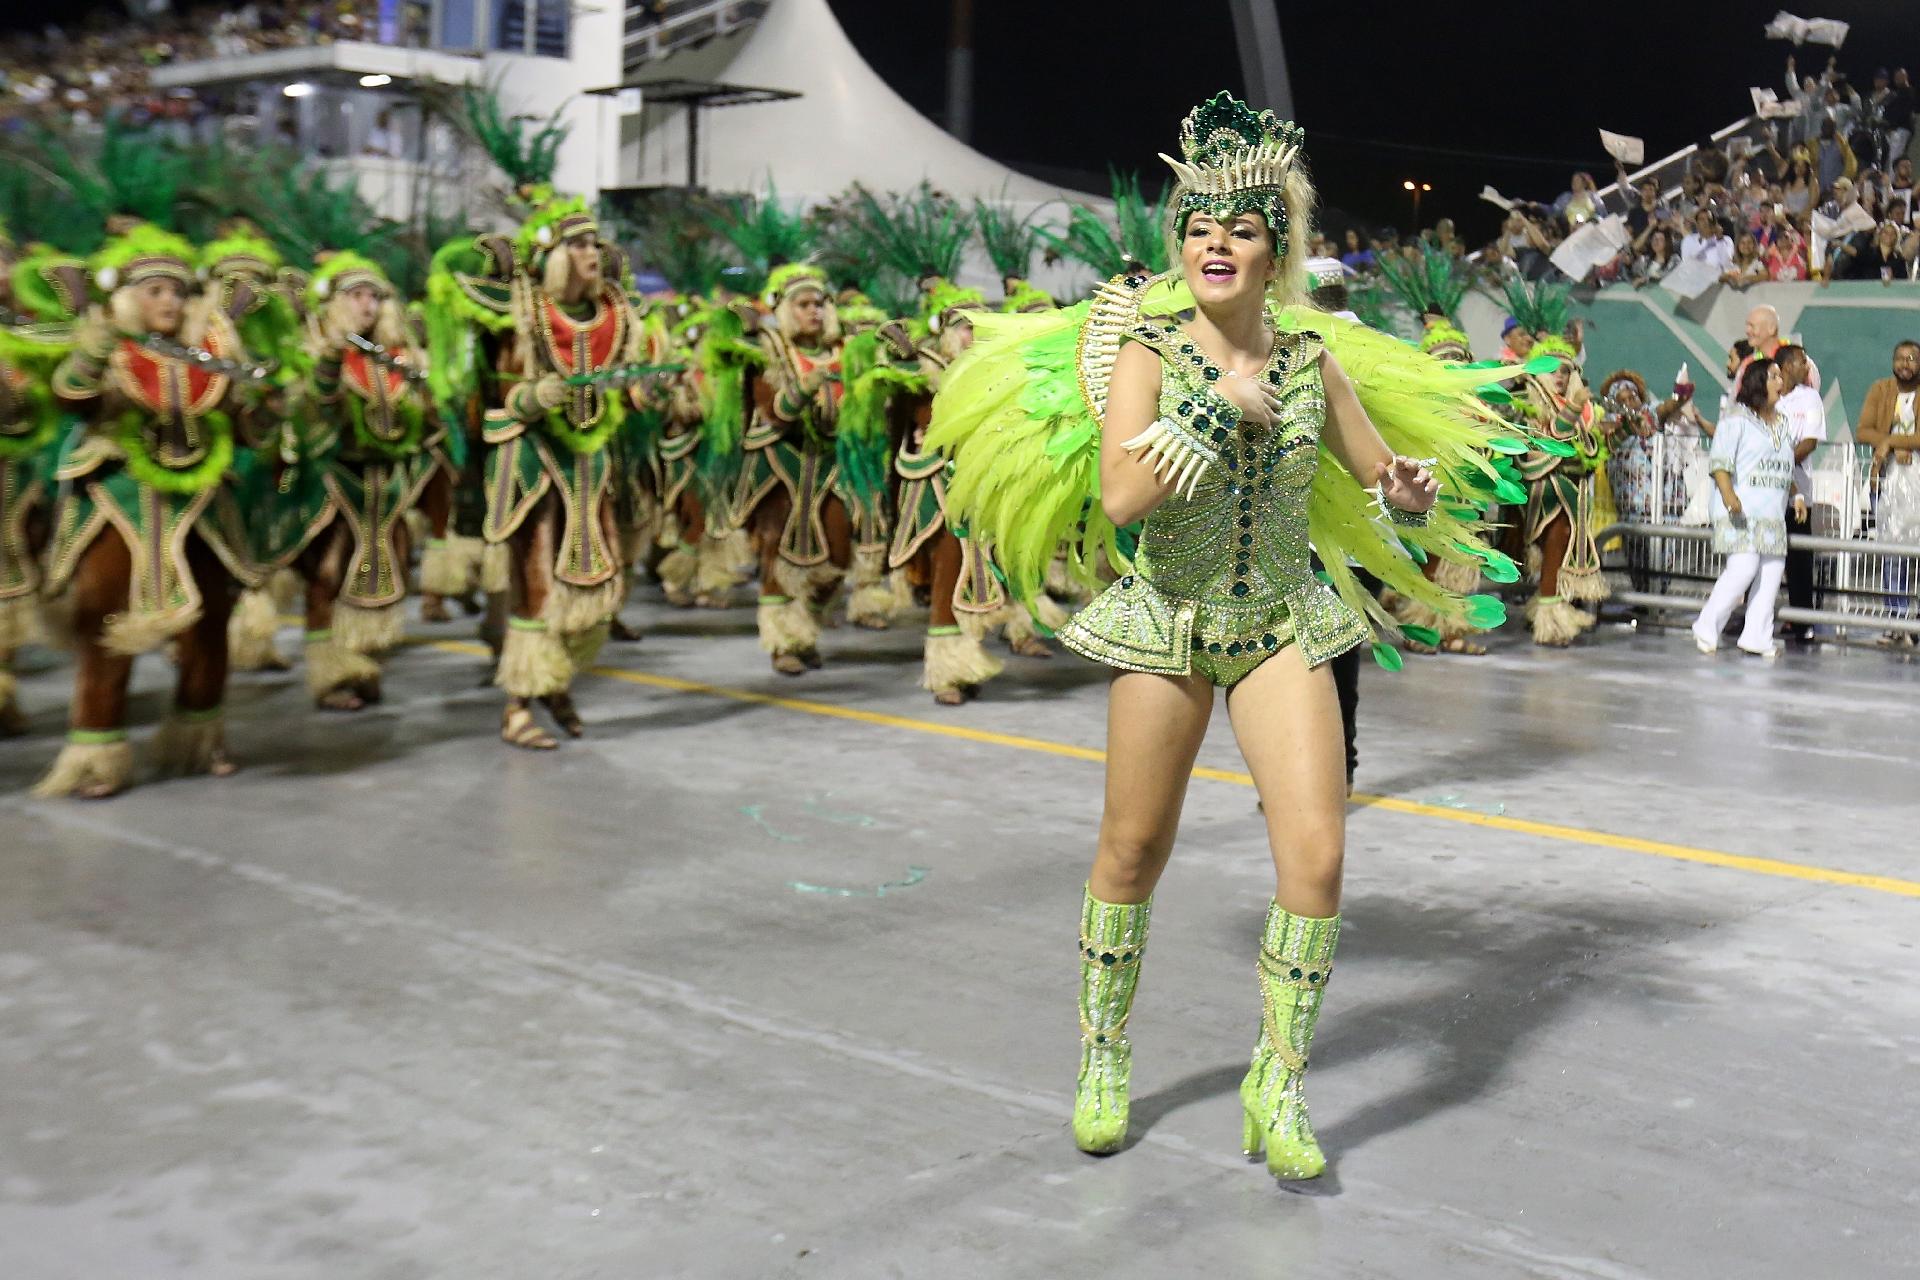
(242,251)
(944,296)
(1023,295)
(554,219)
(1445,334)
(1010,241)
(525,150)
(1542,309)
(1135,239)
(140,253)
(339,272)
(1433,286)
(1555,346)
(784,279)
(763,235)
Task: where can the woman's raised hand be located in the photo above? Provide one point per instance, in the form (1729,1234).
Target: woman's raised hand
(1407,484)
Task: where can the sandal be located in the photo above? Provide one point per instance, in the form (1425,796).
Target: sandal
(434,609)
(517,728)
(560,707)
(1462,645)
(951,697)
(790,664)
(1030,647)
(621,631)
(343,698)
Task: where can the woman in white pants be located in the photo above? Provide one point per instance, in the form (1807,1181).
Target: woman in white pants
(1752,468)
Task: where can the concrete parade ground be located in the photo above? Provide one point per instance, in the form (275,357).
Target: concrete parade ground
(774,977)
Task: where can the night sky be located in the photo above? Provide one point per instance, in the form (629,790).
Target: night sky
(1376,90)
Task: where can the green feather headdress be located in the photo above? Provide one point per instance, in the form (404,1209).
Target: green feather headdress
(1434,286)
(553,220)
(943,297)
(343,271)
(243,251)
(1134,240)
(915,234)
(139,253)
(763,235)
(525,150)
(1542,309)
(784,279)
(1009,241)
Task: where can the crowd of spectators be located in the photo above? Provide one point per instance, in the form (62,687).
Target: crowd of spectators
(1823,195)
(96,67)
(1826,195)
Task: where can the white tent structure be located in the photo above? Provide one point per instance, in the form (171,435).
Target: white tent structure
(846,127)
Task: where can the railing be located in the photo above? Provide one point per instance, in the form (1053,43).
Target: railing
(681,23)
(1659,554)
(1671,169)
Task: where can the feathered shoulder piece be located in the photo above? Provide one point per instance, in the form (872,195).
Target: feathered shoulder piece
(1020,415)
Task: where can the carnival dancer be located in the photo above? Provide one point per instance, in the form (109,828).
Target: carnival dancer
(1433,289)
(364,458)
(1559,520)
(1240,437)
(39,297)
(802,484)
(577,345)
(967,596)
(149,542)
(248,280)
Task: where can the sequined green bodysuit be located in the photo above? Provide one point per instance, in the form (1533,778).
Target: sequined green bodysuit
(1222,580)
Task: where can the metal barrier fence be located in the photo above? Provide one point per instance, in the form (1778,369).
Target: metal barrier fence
(1658,552)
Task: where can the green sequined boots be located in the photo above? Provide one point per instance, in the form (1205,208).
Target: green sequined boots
(1113,936)
(1296,958)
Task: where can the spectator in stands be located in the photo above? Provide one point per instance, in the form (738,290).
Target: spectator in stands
(1801,188)
(1708,242)
(1357,257)
(1661,255)
(1888,426)
(1833,158)
(1580,202)
(1878,258)
(1752,467)
(1747,266)
(1645,208)
(384,139)
(1786,247)
(1807,94)
(1898,109)
(1806,416)
(1900,191)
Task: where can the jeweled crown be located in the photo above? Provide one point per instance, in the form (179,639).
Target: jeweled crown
(1230,148)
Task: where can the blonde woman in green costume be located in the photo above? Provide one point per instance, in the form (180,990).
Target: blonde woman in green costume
(1239,437)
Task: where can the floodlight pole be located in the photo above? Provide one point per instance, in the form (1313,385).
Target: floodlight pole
(1263,58)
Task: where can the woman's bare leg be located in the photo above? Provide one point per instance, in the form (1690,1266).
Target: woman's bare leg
(1155,725)
(1286,719)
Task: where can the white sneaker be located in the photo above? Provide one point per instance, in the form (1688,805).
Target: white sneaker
(1703,644)
(1771,651)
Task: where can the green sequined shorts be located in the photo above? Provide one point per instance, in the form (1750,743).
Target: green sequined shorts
(1225,663)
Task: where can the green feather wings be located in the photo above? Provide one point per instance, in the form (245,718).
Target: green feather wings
(1026,450)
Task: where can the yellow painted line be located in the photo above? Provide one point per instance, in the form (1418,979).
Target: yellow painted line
(1497,822)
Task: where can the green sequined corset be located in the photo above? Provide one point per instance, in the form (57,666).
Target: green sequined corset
(1222,580)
